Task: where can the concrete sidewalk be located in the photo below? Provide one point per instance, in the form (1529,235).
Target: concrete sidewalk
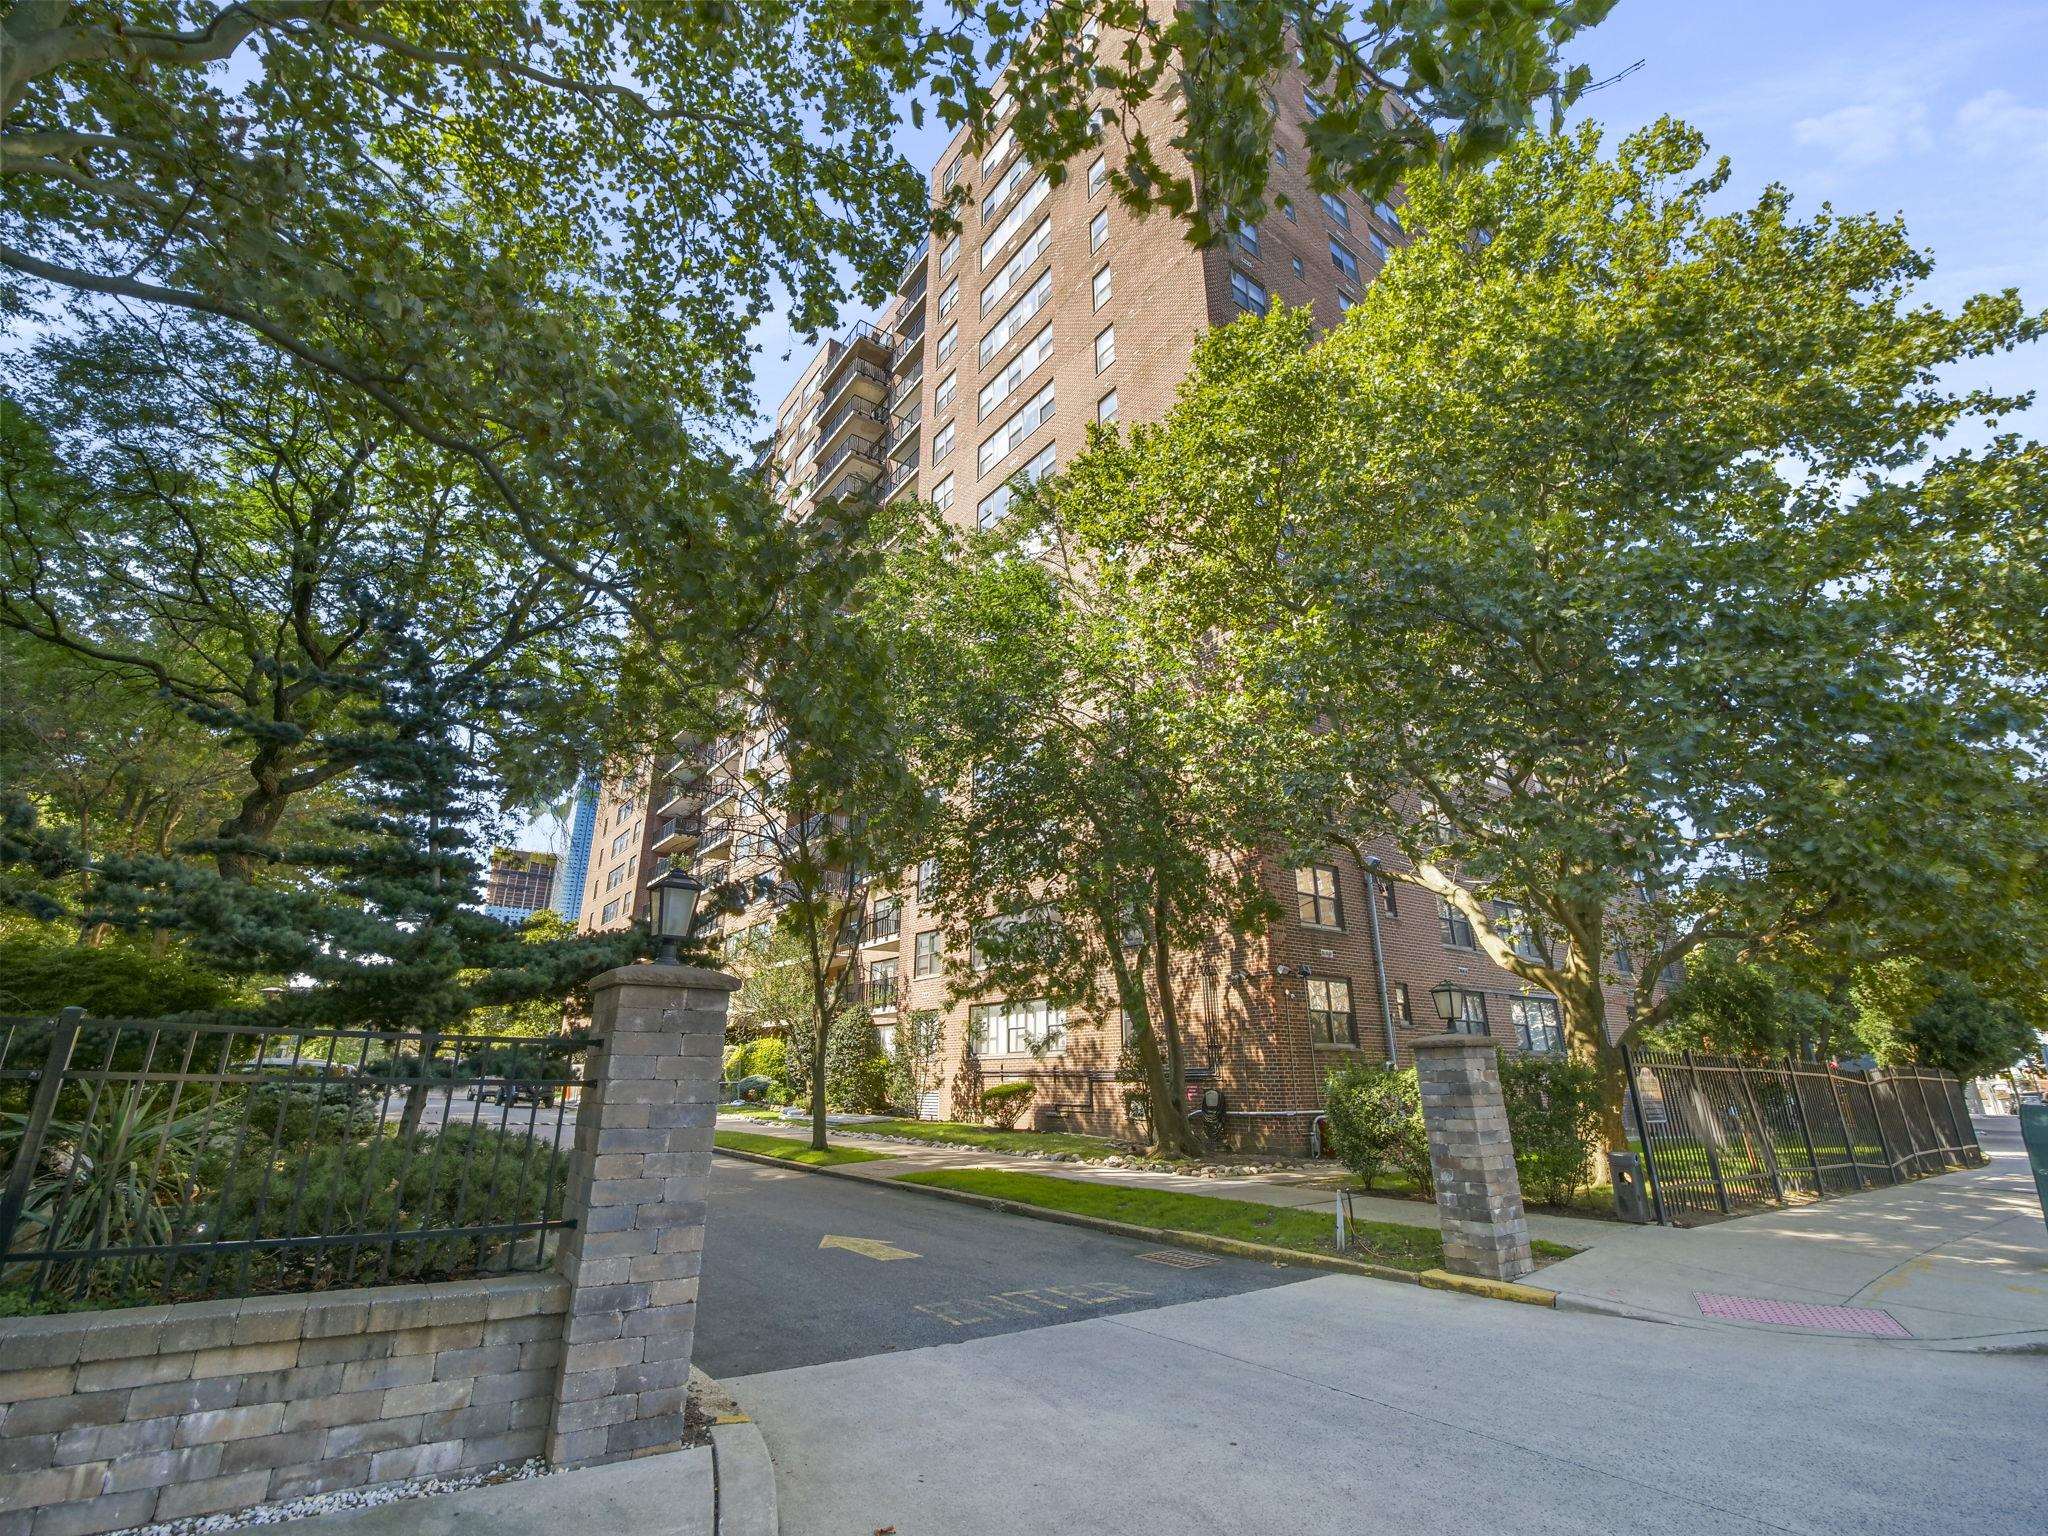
(1960,1260)
(1297,1190)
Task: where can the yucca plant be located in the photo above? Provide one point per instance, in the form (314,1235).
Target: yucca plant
(113,1177)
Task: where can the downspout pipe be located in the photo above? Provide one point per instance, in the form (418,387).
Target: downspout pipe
(1379,958)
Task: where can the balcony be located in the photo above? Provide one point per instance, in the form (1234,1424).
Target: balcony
(852,413)
(683,798)
(903,473)
(903,427)
(911,383)
(915,263)
(863,380)
(878,996)
(717,834)
(678,834)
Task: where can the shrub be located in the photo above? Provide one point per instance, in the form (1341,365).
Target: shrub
(856,1070)
(1004,1102)
(43,969)
(307,1111)
(1553,1109)
(1375,1118)
(764,1056)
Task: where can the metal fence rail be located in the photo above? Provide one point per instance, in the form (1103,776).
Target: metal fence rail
(177,1158)
(1721,1134)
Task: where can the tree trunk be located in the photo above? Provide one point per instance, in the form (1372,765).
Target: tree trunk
(1162,1120)
(416,1093)
(821,1020)
(1584,1006)
(1175,1122)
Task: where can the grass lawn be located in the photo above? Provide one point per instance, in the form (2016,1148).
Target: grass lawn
(794,1151)
(751,1111)
(953,1133)
(1596,1201)
(1378,1242)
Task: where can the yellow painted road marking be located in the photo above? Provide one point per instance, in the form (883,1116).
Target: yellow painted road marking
(868,1247)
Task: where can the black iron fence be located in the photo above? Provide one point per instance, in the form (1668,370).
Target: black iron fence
(167,1159)
(1721,1134)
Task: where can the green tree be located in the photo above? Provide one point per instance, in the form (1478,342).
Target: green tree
(1734,1006)
(1082,852)
(1626,566)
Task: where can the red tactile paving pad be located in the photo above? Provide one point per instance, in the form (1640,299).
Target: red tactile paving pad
(1799,1314)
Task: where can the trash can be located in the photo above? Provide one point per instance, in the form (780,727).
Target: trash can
(1631,1199)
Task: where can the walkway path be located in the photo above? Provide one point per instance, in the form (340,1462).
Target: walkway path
(1960,1260)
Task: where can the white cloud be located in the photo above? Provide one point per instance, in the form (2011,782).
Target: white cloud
(1998,122)
(1867,134)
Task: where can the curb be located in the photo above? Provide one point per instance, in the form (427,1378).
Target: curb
(744,1479)
(1435,1279)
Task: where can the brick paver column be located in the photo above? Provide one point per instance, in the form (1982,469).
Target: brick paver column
(637,1185)
(1478,1195)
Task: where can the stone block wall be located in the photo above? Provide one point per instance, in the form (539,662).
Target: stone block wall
(112,1419)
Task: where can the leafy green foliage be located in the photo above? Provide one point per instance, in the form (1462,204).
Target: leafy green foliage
(856,1070)
(1553,1107)
(1623,561)
(1726,1005)
(1375,1123)
(764,1057)
(1960,1030)
(43,968)
(914,1066)
(1003,1103)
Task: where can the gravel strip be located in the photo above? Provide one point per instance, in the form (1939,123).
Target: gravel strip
(341,1499)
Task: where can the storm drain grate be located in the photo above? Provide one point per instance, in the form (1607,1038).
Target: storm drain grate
(1176,1258)
(1873,1321)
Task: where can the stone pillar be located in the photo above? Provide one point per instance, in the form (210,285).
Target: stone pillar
(637,1183)
(1478,1195)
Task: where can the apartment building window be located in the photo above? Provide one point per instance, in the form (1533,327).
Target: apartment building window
(1404,1010)
(1520,934)
(1101,287)
(1250,295)
(953,171)
(1247,236)
(1013,271)
(1007,183)
(1311,106)
(996,504)
(948,297)
(949,253)
(927,879)
(947,342)
(1468,1013)
(1317,897)
(1330,1019)
(1034,1027)
(1296,260)
(882,986)
(1623,965)
(1105,348)
(1013,221)
(942,444)
(1538,1026)
(1098,230)
(1345,262)
(610,913)
(1386,214)
(1035,413)
(1016,317)
(1021,367)
(1388,901)
(1287,210)
(1005,142)
(942,494)
(1280,153)
(943,396)
(924,958)
(885,920)
(1335,207)
(1098,176)
(1105,408)
(616,878)
(1456,926)
(1380,248)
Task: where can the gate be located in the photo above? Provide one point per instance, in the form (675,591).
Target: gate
(1722,1135)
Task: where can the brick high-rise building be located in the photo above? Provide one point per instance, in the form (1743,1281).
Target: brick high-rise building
(1054,306)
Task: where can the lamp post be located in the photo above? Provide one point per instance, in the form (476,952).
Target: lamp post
(1445,996)
(675,911)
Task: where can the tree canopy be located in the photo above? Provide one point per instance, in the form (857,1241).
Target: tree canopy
(1629,566)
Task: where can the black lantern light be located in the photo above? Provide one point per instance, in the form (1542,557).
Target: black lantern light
(675,911)
(1445,996)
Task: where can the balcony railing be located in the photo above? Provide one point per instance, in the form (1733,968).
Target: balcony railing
(855,448)
(904,426)
(910,384)
(852,370)
(879,996)
(677,834)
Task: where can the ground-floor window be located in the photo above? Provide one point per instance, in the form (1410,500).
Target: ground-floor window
(1330,1019)
(1030,1027)
(1538,1025)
